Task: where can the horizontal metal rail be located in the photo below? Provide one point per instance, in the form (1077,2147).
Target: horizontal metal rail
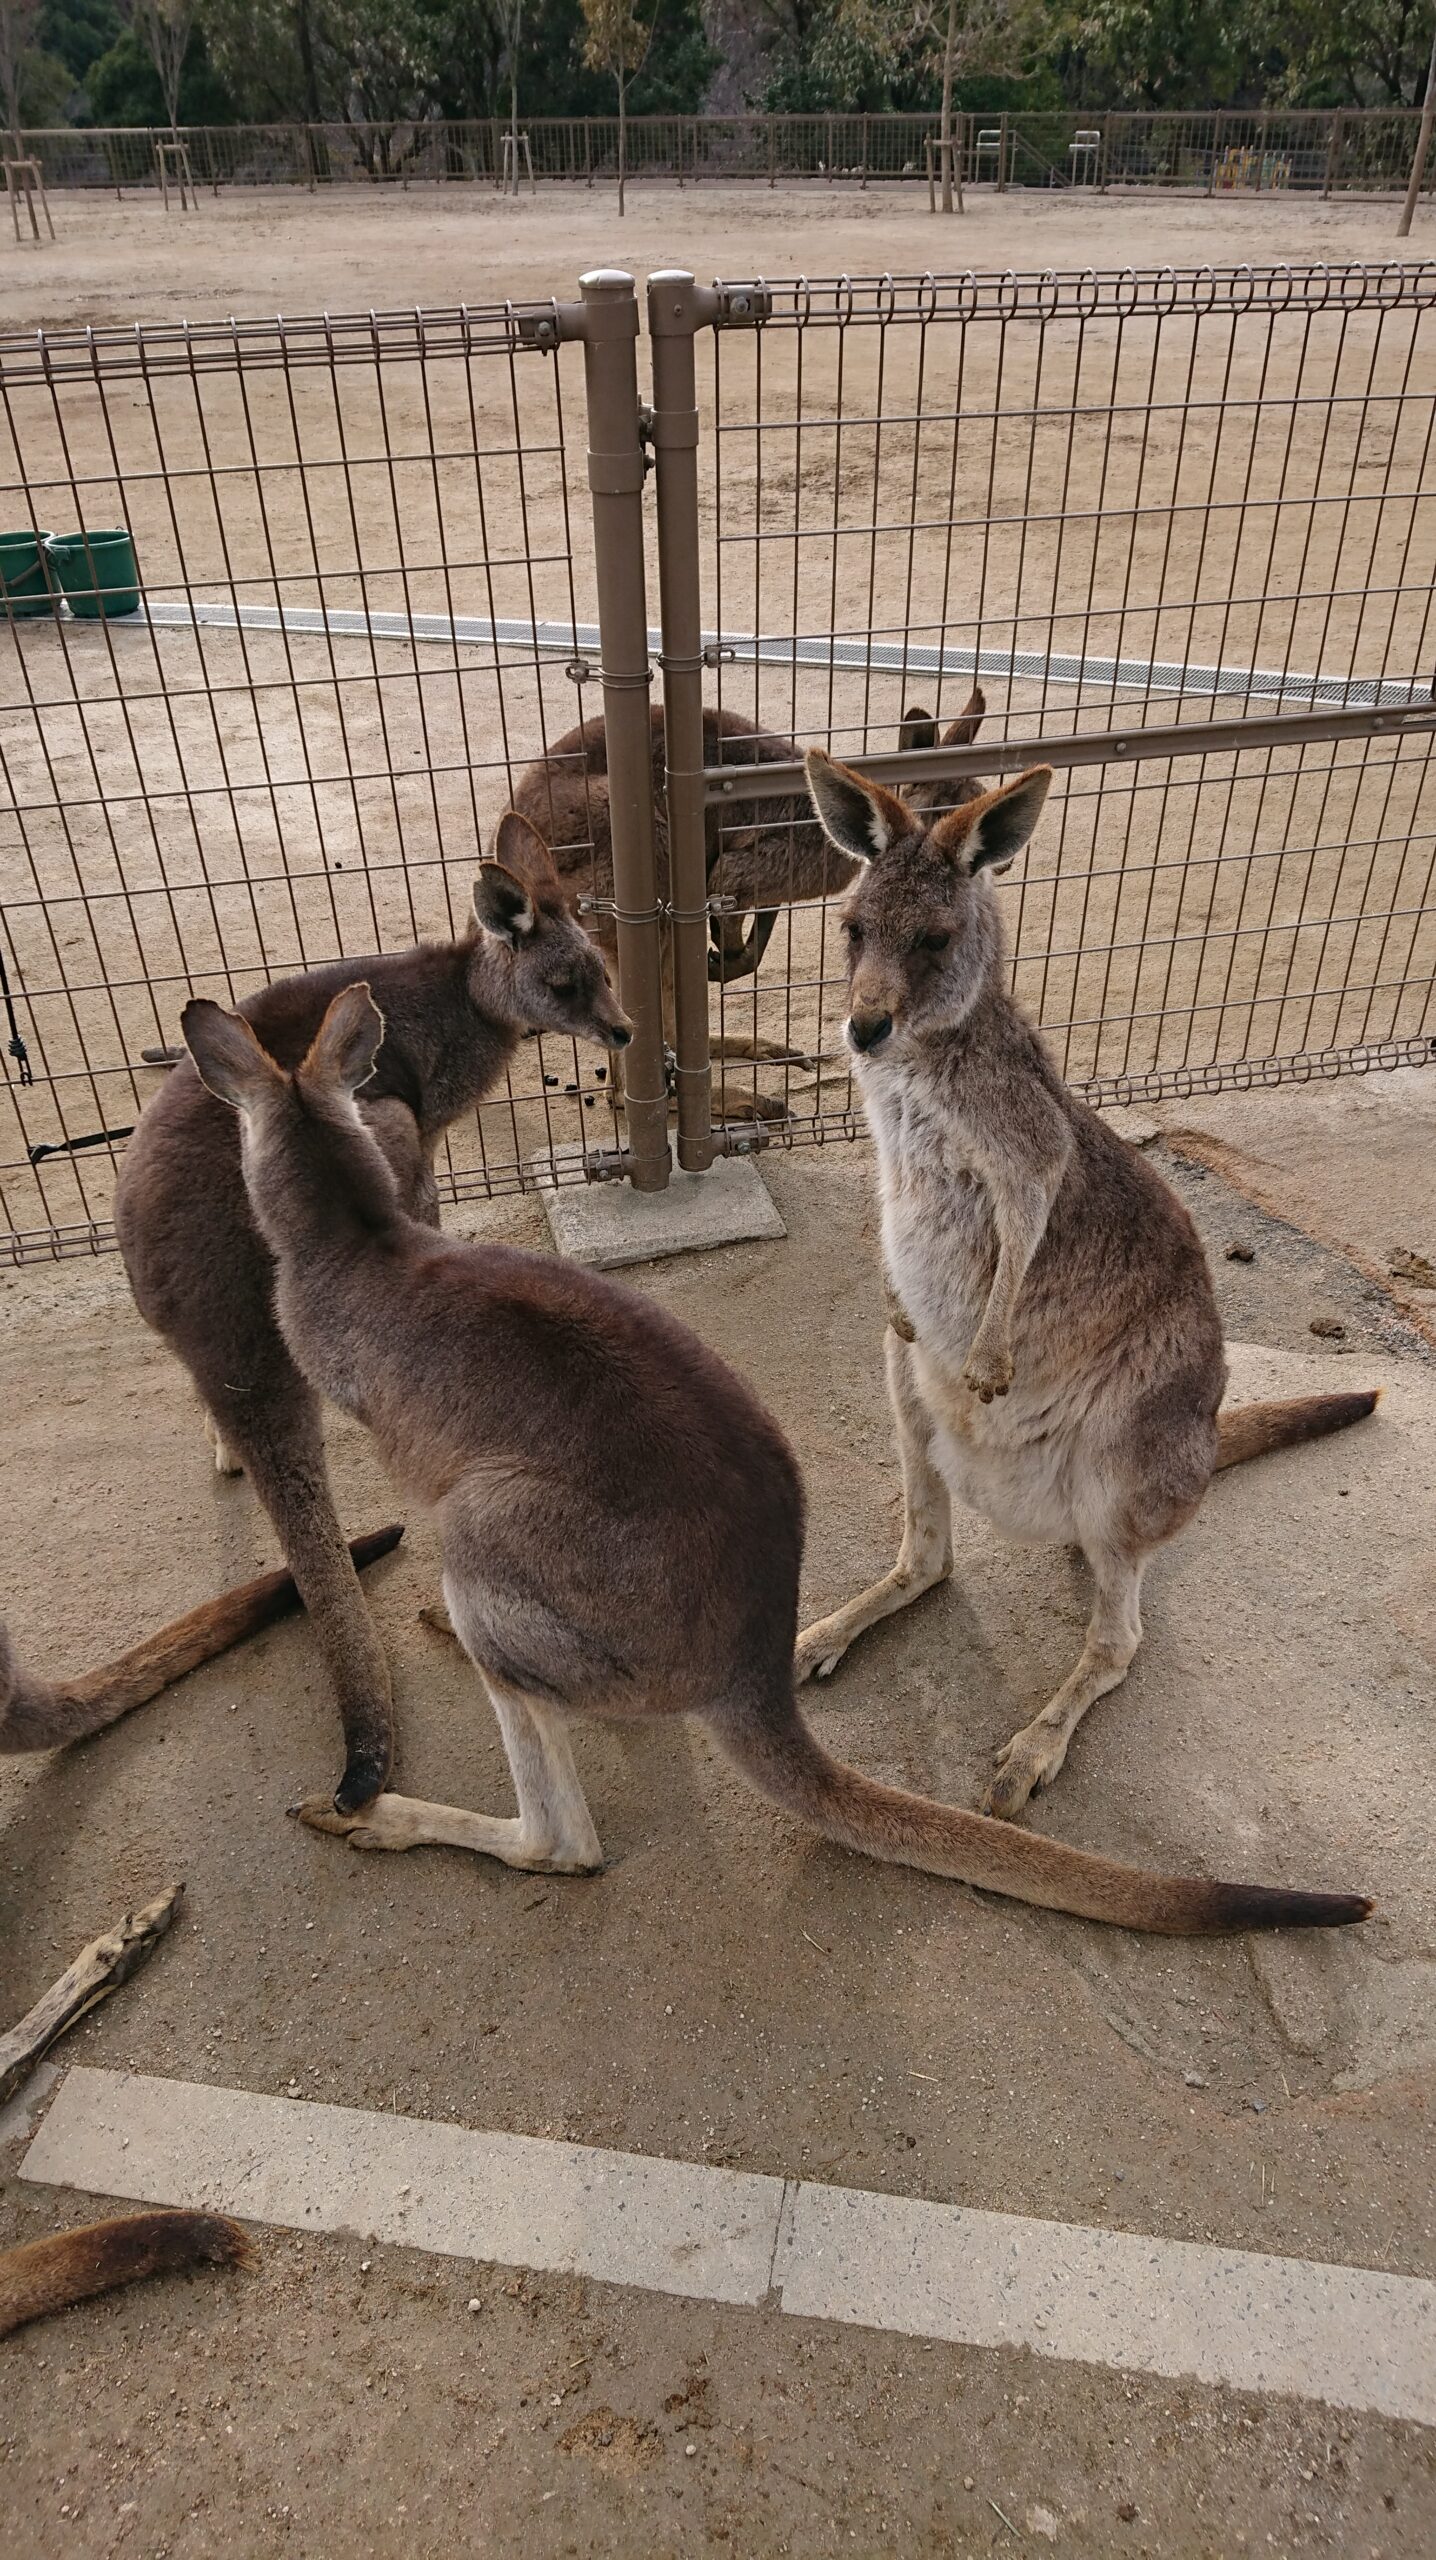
(1100,746)
(579,642)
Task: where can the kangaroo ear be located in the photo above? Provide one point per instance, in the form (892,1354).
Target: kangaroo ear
(346,1044)
(229,1058)
(523,851)
(919,729)
(965,729)
(988,834)
(860,817)
(502,904)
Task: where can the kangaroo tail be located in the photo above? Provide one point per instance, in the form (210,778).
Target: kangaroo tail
(783,1759)
(36,1717)
(48,2275)
(1253,1429)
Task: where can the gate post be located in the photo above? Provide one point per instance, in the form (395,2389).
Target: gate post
(616,467)
(677,306)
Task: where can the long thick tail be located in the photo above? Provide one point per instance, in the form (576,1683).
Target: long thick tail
(48,2275)
(36,1717)
(783,1758)
(1253,1429)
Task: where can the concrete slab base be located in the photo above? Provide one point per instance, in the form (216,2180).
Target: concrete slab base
(608,1224)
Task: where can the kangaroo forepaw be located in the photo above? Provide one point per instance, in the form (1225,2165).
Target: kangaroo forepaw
(988,1373)
(434,1614)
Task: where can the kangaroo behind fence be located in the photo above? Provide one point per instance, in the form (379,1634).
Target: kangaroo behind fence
(1054,1353)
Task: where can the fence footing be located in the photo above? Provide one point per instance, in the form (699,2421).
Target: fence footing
(609,1224)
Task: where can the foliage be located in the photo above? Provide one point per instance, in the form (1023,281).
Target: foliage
(124,86)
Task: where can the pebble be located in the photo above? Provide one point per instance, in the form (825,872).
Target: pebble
(1240,1251)
(1194,2080)
(1330,1328)
(474,2303)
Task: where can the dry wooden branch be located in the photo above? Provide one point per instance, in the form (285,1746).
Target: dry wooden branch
(97,1969)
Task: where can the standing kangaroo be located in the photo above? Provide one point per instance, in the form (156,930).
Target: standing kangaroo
(1054,1353)
(201,1272)
(621,1522)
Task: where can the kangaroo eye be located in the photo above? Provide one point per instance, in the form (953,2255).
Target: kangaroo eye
(933,941)
(853,931)
(563,988)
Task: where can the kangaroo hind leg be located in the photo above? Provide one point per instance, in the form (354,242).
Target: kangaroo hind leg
(1034,1756)
(552,1834)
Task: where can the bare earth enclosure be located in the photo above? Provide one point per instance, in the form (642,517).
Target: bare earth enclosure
(369,601)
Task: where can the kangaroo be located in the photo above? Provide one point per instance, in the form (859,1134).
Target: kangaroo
(759,854)
(621,1521)
(1054,1352)
(201,1272)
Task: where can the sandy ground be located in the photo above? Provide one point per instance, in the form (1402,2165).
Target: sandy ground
(729,1990)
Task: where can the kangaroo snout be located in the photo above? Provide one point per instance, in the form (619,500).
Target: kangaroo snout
(868,1029)
(618,1034)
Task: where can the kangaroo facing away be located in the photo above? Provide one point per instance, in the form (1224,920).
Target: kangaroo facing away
(201,1272)
(621,1521)
(1054,1351)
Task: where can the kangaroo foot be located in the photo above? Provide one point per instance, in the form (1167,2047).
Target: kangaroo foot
(434,1614)
(1031,1760)
(225,1461)
(406,1822)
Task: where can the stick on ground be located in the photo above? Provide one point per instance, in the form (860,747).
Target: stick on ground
(97,1969)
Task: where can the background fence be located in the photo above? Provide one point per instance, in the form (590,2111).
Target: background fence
(1181,529)
(1341,151)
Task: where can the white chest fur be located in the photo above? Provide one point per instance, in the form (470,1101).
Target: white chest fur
(939,1240)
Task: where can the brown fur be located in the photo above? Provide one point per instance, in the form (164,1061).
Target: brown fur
(49,2275)
(34,1716)
(202,1275)
(621,1521)
(760,855)
(1060,1366)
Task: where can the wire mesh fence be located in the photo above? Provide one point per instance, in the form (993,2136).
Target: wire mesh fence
(1114,505)
(355,547)
(1174,533)
(1326,151)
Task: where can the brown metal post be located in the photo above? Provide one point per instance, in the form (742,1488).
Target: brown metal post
(1333,153)
(616,465)
(1002,158)
(677,306)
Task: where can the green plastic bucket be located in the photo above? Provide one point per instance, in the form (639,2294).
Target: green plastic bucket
(24,580)
(97,571)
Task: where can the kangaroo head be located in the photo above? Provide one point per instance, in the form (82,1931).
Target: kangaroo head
(920,729)
(920,921)
(302,1137)
(533,958)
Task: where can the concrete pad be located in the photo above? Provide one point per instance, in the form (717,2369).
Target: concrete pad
(1354,2337)
(566,2207)
(1346,2335)
(609,1224)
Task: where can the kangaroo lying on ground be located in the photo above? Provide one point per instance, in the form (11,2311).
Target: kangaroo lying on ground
(760,854)
(1054,1353)
(621,1521)
(201,1273)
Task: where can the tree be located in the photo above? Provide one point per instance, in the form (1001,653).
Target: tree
(165,27)
(19,20)
(618,42)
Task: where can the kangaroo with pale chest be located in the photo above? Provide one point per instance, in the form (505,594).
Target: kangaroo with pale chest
(1054,1351)
(202,1275)
(621,1522)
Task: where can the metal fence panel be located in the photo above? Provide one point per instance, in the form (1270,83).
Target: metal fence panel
(1115,502)
(361,565)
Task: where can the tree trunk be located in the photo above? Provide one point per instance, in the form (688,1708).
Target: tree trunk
(304,33)
(1423,145)
(514,34)
(622,140)
(949,50)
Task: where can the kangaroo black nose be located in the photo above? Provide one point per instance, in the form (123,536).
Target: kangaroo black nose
(869,1030)
(619,1035)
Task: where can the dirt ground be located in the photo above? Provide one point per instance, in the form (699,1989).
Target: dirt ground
(728,1990)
